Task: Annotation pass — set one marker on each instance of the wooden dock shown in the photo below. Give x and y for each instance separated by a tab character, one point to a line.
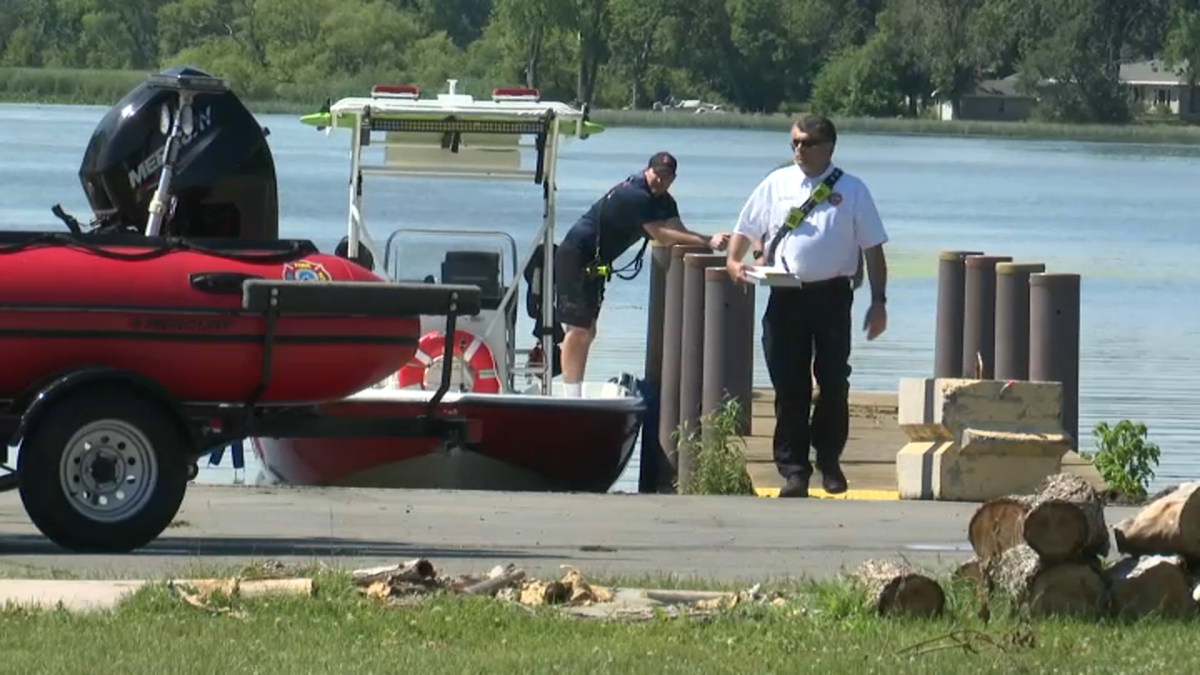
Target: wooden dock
869	459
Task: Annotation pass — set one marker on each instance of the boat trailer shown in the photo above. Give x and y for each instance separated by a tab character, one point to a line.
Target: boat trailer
106	455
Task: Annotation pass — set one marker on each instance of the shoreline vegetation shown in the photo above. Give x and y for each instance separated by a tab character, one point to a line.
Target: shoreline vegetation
105	87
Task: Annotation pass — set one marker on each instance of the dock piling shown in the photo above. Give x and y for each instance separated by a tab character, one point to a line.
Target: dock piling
724	375
1012	319
979	316
691	366
951	299
672	323
1054	340
655	469
741	341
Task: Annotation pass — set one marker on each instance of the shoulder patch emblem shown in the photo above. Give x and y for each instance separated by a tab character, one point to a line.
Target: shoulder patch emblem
305	270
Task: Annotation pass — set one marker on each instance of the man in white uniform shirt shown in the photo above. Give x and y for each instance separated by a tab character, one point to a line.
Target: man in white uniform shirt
809	326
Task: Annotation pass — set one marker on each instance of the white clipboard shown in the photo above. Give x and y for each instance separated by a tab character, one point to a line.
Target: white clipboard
764	275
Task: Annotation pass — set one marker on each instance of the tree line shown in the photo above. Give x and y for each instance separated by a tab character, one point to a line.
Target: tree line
846	57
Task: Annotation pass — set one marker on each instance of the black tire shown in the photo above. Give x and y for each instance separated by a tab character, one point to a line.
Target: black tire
131	431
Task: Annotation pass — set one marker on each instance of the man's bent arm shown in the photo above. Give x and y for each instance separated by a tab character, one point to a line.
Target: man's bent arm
738	244
672	232
752	221
876	272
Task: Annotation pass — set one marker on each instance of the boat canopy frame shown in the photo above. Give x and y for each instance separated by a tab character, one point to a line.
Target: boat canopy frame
443	124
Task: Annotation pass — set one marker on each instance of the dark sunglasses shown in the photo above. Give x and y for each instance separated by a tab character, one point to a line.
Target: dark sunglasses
806	143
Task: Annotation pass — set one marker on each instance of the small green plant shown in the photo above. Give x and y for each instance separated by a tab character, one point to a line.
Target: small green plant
1124	458
716	449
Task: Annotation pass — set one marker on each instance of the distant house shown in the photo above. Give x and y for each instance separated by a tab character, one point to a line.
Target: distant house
993	100
1155	87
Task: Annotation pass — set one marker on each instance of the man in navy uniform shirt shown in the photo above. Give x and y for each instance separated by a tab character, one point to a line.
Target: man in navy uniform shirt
640	208
807	324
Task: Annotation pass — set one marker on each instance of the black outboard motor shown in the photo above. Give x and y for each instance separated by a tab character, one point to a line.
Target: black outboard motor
223	178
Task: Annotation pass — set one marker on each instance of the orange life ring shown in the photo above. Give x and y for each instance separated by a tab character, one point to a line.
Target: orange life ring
467	346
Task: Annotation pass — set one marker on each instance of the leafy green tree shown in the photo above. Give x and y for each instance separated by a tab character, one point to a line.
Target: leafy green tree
861	81
860	57
463	21
1182	45
636	37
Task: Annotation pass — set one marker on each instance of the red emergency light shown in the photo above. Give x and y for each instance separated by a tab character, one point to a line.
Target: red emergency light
406	91
516	94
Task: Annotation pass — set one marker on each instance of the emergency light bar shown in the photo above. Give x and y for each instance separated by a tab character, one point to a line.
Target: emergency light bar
405	91
516	94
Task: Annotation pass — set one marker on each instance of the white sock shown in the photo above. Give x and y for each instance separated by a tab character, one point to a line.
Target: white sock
574	389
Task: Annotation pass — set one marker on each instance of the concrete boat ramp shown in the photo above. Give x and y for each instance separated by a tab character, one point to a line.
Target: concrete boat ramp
729	538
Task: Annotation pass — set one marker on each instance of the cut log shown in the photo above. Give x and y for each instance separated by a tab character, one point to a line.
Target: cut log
896	588
1064	589
1169	525
493	584
971	570
683	597
536	592
414	570
996	525
248	588
1066	521
1153	584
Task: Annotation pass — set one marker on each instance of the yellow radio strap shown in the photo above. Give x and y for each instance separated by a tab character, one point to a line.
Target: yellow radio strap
797	214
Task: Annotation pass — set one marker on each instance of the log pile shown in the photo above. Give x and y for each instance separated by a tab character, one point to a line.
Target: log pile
1043	550
1161	543
1046	552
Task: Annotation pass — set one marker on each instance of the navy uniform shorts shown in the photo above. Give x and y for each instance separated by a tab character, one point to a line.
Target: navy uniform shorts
577	296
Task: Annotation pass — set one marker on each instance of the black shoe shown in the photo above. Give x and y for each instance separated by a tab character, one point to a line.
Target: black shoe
833	480
797	486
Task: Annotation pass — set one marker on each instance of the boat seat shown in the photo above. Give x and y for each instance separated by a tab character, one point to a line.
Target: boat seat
365	258
358	298
478	268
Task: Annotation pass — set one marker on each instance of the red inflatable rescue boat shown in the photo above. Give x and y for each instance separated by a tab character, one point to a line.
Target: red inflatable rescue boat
176	321
172	312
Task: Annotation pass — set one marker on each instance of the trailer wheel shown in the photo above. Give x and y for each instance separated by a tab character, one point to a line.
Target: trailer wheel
103	470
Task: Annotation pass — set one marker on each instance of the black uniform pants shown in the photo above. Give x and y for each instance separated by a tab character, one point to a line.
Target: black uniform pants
801	323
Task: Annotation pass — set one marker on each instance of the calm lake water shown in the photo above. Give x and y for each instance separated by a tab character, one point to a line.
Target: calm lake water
1119	214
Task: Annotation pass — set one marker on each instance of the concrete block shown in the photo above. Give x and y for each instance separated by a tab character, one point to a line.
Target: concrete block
972	440
939	409
914	469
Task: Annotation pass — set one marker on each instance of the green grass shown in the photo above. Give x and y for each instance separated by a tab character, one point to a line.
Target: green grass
52	85
822	627
105	87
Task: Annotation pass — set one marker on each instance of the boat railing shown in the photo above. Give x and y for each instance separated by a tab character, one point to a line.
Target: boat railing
390	244
361	236
512	285
510	281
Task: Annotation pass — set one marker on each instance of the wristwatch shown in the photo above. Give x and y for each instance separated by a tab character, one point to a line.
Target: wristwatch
880	299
